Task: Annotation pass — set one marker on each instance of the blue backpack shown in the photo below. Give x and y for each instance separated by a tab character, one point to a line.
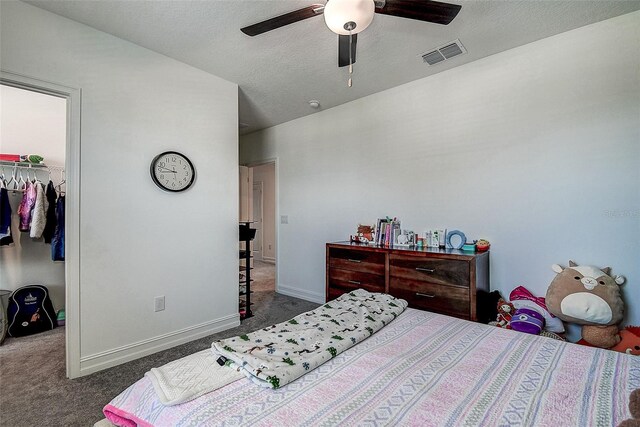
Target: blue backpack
30	311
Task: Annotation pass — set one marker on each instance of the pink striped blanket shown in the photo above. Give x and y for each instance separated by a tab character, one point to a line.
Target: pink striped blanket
422	369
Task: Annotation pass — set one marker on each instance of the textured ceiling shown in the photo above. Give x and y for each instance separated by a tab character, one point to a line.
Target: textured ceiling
278	72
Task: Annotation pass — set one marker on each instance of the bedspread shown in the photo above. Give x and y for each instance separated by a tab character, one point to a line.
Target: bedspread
422	369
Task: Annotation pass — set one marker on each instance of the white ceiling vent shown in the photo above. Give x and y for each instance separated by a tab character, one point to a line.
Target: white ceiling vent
443	53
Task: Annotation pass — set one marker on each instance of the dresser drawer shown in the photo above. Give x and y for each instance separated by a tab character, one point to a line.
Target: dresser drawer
350	280
334	293
355	260
439	271
451	300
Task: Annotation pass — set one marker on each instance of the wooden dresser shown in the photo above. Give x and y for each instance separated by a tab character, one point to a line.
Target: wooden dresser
440	280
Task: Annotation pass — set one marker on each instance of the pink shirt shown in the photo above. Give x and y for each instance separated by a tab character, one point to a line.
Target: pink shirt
26	206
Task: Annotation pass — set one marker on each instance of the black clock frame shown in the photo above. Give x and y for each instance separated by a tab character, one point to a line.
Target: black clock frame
159	184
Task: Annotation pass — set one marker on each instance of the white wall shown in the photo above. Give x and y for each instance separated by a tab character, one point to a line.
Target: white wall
32	123
266	174
137	241
536	149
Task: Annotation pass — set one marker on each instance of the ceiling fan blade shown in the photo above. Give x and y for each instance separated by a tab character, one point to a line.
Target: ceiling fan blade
343	50
421	10
282	20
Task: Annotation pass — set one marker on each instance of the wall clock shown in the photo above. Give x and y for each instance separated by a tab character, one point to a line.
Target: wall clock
172	171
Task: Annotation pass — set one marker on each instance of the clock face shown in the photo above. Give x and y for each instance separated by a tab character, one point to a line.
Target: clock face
172	171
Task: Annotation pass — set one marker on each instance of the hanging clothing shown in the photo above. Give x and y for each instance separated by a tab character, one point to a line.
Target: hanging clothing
5	218
26	206
57	242
5	211
39	213
50	226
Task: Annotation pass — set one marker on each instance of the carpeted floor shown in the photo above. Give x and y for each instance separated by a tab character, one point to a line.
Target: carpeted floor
264	276
35	392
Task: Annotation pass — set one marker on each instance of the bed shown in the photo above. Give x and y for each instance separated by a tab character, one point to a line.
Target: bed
422	369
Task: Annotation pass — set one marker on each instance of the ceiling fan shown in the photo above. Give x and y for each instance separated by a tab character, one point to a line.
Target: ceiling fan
349	17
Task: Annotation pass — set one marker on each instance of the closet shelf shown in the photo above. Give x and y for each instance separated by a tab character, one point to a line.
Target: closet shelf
28	165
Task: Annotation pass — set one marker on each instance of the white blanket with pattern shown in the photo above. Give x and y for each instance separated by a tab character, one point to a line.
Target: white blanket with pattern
276	355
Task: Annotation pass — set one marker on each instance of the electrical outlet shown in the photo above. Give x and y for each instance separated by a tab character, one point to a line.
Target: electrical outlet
159	303
284	219
269	247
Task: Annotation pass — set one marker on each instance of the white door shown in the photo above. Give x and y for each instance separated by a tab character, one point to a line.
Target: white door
257	218
245	180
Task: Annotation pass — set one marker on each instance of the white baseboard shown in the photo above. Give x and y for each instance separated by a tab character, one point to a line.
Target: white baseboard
106	359
269	260
302	294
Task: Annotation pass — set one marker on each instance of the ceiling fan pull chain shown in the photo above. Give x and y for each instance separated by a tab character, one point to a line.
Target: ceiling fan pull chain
349	82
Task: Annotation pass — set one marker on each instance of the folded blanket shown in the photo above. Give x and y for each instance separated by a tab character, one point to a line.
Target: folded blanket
192	376
276	355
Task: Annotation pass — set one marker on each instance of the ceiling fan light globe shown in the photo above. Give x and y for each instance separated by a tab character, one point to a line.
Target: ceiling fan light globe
337	13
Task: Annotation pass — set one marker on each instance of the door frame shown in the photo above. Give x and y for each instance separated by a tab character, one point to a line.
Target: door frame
261	229
276	191
73	97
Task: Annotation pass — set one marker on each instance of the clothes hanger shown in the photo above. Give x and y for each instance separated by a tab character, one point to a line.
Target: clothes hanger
22	184
36	179
12	179
3	179
61	183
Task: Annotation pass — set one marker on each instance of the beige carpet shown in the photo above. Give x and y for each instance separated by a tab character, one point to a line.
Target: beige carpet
264	276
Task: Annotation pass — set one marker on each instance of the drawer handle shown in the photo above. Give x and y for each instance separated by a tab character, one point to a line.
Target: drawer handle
355	282
426	270
420	294
354	260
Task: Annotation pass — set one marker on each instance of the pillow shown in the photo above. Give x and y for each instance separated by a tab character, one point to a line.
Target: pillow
521	298
527	320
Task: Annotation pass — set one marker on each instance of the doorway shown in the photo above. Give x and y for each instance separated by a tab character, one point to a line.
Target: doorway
264	208
32	161
260	181
24	263
258	219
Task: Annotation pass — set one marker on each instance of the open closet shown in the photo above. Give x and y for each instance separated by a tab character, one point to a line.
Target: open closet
33	139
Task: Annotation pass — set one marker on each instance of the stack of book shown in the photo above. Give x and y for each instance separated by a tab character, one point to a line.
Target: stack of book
387	231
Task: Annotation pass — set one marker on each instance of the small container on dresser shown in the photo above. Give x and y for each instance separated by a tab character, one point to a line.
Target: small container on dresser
444	281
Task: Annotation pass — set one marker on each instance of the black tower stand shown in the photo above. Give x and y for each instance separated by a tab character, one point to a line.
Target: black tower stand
246	235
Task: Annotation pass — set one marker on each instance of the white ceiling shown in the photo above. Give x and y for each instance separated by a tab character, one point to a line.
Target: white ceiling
278	72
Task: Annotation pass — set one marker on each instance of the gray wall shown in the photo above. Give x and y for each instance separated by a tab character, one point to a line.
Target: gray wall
536	149
137	241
